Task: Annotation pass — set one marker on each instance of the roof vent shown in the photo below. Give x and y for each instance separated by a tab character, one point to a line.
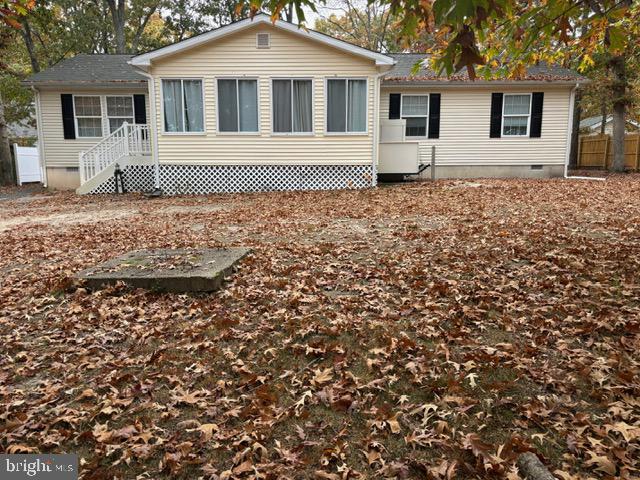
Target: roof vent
263	40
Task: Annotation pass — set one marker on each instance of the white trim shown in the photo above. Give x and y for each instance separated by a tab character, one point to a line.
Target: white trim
75	117
514	94
236	78
204	112
426	117
41	147
313	107
376	128
346	113
153	126
145	60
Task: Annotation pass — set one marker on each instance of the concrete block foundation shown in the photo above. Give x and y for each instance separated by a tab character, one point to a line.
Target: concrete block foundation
496	171
63	178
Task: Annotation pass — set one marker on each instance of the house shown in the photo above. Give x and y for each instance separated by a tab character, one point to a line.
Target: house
592	125
261	106
22	131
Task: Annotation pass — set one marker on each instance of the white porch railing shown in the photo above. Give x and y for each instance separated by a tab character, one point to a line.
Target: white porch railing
128	140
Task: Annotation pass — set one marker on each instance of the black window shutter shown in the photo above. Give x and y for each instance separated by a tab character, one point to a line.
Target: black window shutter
68	124
537	100
394	106
140	109
434	115
495	130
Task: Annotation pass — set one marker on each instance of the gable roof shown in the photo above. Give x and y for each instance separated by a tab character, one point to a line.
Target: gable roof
402	73
145	59
113	70
595	122
90	70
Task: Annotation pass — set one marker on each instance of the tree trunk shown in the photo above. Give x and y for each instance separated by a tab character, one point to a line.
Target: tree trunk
28	42
7	173
619	105
118	20
135	42
603	115
575	130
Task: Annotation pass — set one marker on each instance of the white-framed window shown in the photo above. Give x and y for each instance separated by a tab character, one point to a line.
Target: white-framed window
237	105
183	105
87	110
119	110
346	105
516	114
414	109
292	105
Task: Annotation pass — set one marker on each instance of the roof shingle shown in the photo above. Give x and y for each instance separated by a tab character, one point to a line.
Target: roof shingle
108	69
89	69
402	72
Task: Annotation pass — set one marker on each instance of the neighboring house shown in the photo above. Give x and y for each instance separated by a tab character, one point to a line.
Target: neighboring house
592	125
23	130
262	106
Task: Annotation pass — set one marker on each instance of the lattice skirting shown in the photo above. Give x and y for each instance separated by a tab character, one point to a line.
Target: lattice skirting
137	178
202	179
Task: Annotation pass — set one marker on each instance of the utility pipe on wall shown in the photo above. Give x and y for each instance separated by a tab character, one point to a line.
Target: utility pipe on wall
153	127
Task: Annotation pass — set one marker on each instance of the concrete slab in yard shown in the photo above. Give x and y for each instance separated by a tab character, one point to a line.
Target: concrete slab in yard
179	271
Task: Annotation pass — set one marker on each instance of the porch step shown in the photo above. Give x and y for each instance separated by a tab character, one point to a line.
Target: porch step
96	181
121	147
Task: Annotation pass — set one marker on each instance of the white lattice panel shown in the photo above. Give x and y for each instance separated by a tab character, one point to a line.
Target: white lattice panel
202	179
137	178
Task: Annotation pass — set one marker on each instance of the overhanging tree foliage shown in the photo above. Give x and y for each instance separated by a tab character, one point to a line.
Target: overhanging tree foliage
369	26
502	37
10	12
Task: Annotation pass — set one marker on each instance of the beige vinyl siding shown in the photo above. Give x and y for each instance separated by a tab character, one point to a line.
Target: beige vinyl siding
464	127
59	152
289	56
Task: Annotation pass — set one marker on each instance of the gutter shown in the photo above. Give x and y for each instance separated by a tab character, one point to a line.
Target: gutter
476	83
85	84
572	104
376	126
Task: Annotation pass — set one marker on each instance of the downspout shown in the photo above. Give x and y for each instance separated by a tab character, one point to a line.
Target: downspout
43	166
154	130
376	127
572	105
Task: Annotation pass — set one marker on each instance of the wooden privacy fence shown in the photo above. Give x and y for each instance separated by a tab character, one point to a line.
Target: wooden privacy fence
597	151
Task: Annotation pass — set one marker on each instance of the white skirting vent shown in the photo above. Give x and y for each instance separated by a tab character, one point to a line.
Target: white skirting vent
203	179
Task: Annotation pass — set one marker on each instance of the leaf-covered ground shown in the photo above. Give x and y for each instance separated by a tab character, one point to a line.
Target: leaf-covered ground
416	331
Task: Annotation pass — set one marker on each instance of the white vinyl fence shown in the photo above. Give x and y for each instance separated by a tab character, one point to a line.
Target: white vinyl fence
27	165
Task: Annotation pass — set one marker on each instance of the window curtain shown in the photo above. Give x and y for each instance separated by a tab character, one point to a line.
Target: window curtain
415	105
516	104
357	116
171	90
193	107
227	106
336	105
302	120
282	106
248	102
